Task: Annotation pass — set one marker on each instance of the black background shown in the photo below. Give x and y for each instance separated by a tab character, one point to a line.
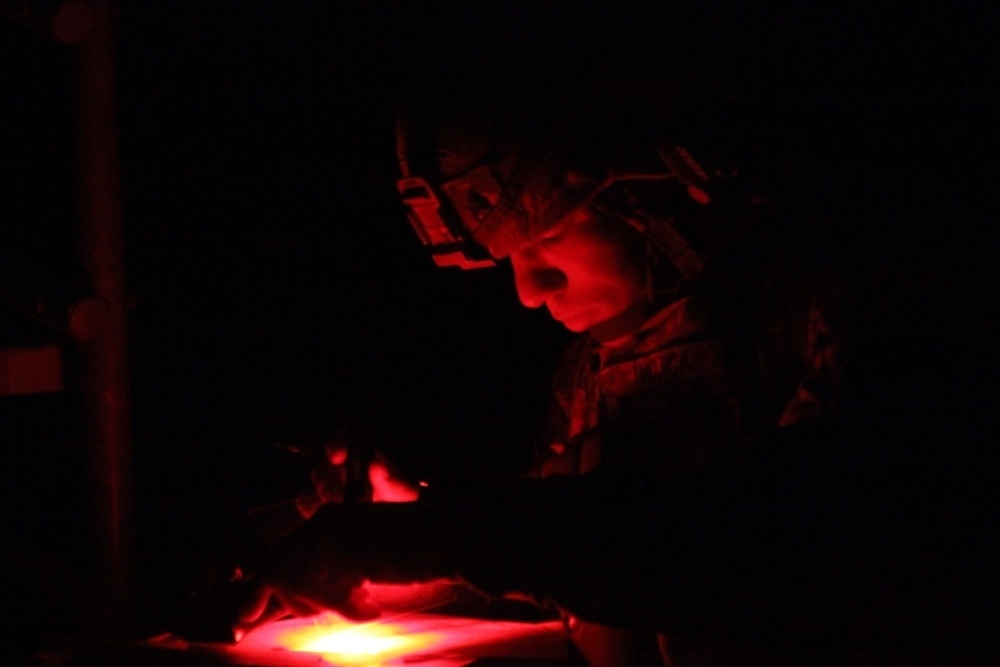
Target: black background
277	290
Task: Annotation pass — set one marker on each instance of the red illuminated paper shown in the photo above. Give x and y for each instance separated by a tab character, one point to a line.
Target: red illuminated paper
419	639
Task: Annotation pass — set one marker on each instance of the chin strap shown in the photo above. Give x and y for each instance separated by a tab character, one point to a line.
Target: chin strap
620	203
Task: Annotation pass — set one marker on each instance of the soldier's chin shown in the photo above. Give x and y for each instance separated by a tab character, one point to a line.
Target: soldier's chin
576	328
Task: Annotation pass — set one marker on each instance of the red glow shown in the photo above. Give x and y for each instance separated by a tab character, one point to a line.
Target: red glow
699	195
413	639
343	643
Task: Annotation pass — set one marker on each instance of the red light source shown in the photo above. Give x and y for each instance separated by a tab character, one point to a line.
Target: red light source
412	639
344	643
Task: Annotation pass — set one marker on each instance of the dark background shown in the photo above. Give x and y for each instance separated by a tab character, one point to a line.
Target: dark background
278	293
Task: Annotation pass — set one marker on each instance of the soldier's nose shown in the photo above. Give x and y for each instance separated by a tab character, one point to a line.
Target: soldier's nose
536	284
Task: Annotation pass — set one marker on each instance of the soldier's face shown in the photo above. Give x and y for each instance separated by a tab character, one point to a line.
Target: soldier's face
587	271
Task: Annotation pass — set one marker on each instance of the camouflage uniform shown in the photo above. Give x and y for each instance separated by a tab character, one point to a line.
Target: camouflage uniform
660	404
670	380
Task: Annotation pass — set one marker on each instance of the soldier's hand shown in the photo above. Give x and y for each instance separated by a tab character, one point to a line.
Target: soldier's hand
387	485
329	481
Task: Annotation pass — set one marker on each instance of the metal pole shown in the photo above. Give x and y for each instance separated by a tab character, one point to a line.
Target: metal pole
104	360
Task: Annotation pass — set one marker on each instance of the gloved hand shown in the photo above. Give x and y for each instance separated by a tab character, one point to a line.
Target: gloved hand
387	485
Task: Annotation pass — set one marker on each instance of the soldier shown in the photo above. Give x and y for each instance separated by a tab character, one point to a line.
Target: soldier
656	257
